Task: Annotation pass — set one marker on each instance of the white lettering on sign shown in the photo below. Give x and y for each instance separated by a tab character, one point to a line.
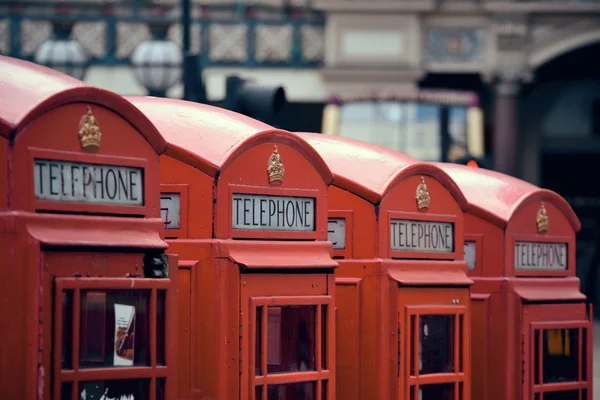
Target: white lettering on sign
170	209
66	181
336	232
470	254
409	235
536	255
274	213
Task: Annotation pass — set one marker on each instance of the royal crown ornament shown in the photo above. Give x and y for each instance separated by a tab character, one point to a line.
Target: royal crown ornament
275	168
90	135
423	199
542	220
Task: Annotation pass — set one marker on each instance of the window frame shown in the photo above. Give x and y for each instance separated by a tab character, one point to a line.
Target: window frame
580	385
75	375
320	374
461	342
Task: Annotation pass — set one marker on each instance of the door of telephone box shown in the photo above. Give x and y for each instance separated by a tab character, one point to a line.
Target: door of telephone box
287	329
557	352
108	332
434	343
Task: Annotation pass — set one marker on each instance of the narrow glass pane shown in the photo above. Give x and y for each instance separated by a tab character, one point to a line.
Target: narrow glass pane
536	357
324	338
536	396
67	329
160	326
258	341
65	390
292	391
160	389
114	328
436	335
258	393
93	328
584	352
412	393
411	333
561	362
460	343
443	391
291	339
122	389
324	390
568	395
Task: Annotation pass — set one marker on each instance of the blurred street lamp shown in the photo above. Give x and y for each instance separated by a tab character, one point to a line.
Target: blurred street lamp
63	53
158	61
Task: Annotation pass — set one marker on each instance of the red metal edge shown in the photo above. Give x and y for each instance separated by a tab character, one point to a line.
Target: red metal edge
425	272
293	254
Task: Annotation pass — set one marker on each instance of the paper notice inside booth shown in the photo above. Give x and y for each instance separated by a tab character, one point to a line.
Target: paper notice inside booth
124	335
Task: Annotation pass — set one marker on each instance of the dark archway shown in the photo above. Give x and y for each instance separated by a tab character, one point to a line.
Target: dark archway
562	103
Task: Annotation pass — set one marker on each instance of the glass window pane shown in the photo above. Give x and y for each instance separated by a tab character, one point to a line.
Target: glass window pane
258	341
67	329
65	390
324	390
412	345
436	335
114	328
584	354
258	392
536	357
160	327
444	391
160	389
324	338
569	395
292	391
291	339
122	389
560	355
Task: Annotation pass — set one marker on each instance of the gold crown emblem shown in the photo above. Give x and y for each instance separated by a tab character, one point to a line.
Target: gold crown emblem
541	220
90	135
275	168
423	199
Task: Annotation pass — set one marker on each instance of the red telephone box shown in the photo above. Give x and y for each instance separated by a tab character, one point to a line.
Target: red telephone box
88	305
530	323
402	294
245	208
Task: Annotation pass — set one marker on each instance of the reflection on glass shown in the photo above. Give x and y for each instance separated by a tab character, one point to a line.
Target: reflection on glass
444	391
160	327
324	338
291	339
67	329
114	328
560	355
122	389
536	358
292	391
412	346
258	341
570	395
160	389
436	342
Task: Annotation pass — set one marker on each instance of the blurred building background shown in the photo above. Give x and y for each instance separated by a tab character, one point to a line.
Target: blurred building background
533	64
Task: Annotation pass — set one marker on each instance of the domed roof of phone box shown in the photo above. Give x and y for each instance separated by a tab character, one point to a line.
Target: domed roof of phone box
209	138
498	197
28	90
370	171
